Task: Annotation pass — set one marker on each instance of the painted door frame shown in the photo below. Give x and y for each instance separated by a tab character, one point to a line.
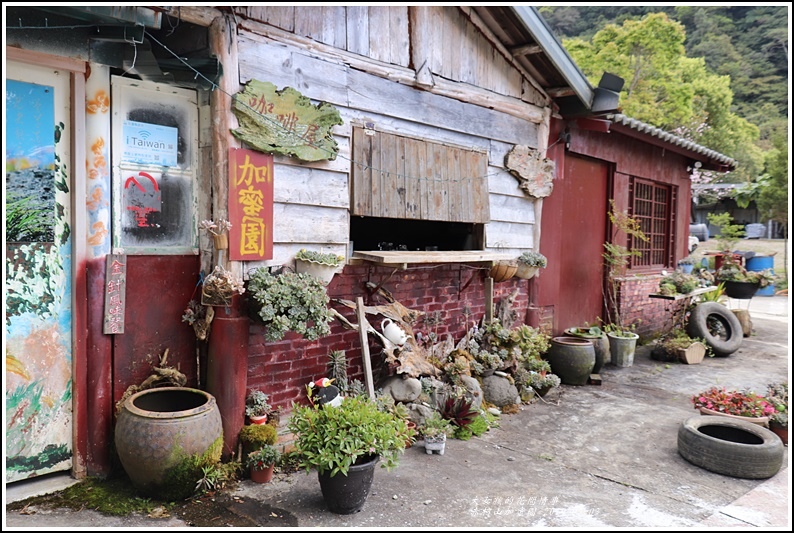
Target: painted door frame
77	71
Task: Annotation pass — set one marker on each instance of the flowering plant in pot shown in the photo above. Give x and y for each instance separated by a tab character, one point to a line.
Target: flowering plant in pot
261	462
290	302
745	404
777	396
344	443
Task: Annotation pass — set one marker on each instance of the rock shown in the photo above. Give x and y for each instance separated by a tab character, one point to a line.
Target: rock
499	391
418	412
473	391
402	389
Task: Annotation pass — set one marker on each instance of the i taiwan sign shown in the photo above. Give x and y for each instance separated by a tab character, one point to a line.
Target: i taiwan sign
149	144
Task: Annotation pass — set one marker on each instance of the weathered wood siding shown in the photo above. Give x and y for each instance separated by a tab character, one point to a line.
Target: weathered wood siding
313	201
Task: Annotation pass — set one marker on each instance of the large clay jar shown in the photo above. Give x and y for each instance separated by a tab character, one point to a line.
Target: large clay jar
158	428
600	343
572	359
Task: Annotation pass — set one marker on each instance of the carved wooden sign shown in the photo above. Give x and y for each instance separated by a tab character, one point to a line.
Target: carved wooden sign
285	122
535	174
115	293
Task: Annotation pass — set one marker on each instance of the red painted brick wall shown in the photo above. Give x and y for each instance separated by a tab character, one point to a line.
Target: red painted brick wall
455	291
651	316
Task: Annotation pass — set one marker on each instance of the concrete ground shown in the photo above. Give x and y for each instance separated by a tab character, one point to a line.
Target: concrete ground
593	457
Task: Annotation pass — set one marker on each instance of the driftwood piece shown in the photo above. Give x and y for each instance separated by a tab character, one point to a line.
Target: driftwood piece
504	310
410	358
362	331
163	376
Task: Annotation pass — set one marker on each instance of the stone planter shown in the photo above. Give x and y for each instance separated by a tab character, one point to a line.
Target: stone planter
435	444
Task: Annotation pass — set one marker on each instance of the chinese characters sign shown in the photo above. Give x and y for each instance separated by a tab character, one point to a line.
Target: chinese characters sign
285	122
149	144
250	205
115	293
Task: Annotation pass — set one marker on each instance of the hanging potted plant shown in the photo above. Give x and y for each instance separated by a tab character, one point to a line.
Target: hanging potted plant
529	263
256	407
344	444
261	463
289	302
220	287
321	265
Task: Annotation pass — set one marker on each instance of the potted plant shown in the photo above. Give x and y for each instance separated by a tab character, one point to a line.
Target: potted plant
777	396
686	265
622	339
678	283
435	429
745	405
677	345
319	264
256	406
220	287
529	263
741	283
254	436
600	341
290	302
343	444
261	463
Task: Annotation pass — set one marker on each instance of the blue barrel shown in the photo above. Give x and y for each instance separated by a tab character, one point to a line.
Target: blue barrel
757	263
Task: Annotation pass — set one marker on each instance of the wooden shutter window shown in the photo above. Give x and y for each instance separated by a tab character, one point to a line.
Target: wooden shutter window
408	178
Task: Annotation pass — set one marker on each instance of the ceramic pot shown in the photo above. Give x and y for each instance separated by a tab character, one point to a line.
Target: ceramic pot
348	494
159	428
760	420
525	271
324	273
258	420
572	359
600	343
622	349
264	475
780	430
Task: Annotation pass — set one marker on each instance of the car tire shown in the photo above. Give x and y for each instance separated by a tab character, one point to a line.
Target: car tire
726	337
730	447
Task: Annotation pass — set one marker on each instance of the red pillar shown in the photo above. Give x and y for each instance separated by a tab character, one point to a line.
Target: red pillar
227	367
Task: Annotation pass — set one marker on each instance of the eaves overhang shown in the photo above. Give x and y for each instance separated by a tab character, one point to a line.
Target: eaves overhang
710	159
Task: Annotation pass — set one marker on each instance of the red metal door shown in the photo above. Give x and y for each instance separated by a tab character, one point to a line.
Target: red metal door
583	232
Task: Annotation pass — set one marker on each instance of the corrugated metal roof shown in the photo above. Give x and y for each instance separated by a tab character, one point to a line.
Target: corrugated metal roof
647	129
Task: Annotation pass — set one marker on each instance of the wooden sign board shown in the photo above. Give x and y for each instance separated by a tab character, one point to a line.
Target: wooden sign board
115	293
285	122
250	205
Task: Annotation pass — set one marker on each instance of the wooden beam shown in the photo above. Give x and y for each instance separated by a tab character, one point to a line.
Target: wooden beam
526	49
488	299
363	326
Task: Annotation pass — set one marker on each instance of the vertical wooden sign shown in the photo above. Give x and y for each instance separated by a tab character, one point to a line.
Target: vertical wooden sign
115	293
250	205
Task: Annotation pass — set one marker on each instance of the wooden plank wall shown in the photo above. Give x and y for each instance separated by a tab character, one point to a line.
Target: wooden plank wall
319	194
391	172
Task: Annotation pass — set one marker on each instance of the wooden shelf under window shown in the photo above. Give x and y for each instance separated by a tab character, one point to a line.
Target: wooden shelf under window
398	257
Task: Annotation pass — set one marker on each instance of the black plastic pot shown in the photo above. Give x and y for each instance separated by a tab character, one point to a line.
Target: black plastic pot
741	290
348	494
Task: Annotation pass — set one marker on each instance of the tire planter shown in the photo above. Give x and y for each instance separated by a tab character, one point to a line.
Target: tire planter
730	447
572	359
622	349
348	494
717	325
159	428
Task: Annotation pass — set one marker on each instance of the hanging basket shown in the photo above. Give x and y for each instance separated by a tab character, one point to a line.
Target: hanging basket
525	271
503	270
221	242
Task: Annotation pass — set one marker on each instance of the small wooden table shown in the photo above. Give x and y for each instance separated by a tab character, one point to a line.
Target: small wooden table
679	317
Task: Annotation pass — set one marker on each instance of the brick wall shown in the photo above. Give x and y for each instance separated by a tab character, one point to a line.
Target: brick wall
455	293
651	316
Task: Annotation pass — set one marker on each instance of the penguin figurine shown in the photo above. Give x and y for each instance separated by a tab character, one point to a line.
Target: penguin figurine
325	392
